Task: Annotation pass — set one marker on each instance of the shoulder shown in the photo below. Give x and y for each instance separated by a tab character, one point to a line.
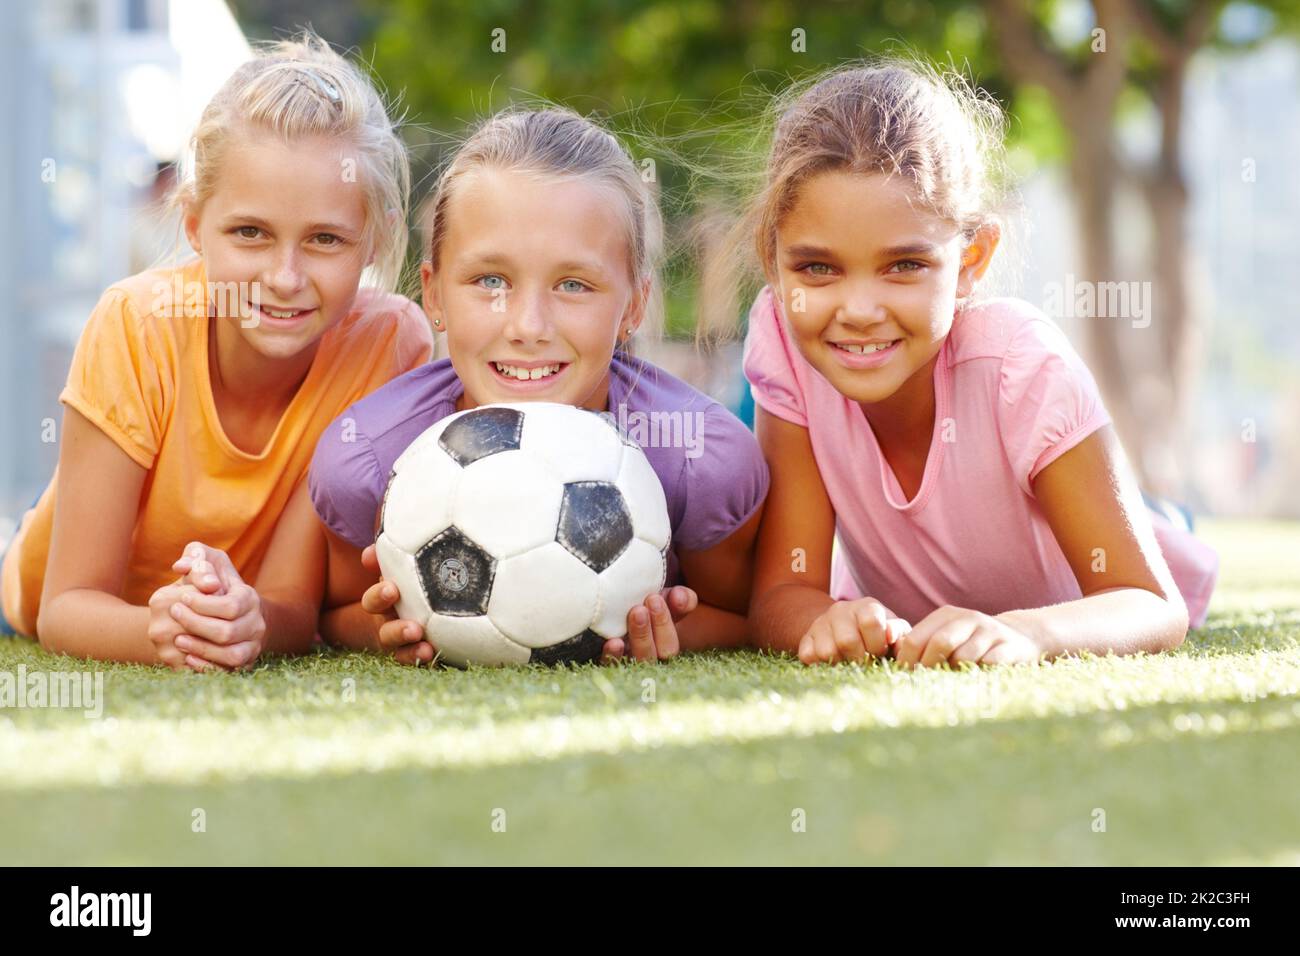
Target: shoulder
426	391
356	452
132	355
375	309
1020	341
779	376
389	322
1044	398
639	386
994	328
162	291
155	297
708	461
639	383
764	328
150	319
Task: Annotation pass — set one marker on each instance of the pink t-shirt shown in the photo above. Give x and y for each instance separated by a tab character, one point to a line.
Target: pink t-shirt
1011	397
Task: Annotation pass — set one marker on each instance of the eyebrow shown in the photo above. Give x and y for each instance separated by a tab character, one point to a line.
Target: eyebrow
920	248
808	252
586	266
314	227
910	249
328	227
589	266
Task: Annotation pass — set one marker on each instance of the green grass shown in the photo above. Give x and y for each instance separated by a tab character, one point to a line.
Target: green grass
340	758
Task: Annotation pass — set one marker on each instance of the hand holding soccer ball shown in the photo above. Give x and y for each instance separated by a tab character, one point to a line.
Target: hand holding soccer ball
405	640
651	626
527	534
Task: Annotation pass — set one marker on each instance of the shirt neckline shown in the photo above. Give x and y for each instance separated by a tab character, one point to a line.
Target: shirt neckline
890	486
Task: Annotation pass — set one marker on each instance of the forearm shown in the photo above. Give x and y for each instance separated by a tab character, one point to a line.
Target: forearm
712	627
92	624
290	624
350	626
780	616
1122	621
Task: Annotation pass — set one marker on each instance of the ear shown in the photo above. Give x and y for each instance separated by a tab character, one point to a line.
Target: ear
634	315
976	258
190	221
429	296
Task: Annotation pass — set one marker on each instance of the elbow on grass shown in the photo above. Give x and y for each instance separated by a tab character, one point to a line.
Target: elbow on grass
1179	629
43	634
1179	622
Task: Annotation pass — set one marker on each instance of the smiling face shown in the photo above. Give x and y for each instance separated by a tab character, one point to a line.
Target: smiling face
533	286
869	282
284	225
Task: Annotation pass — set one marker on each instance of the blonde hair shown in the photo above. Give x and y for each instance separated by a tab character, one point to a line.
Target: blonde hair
895	116
302	87
557	141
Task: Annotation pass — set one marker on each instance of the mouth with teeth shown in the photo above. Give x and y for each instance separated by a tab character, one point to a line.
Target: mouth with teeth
527	373
280	315
863	356
865	349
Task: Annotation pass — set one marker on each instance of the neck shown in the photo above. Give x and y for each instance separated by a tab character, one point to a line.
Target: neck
246	377
906	418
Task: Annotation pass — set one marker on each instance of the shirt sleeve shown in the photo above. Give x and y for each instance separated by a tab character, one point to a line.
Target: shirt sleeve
725	483
393	333
345	481
1048	400
122	377
770	361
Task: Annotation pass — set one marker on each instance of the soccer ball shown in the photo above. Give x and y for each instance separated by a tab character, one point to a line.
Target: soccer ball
522	533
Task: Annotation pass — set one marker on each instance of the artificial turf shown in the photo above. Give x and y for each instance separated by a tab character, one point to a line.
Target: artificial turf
1182	758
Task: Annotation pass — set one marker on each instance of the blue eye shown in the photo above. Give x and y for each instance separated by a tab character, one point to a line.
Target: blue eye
491	282
572	286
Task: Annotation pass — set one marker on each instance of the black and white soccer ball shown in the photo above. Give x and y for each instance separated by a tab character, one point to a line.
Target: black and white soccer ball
523	533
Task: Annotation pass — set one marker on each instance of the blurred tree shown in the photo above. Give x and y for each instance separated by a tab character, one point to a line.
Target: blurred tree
1141	47
341	22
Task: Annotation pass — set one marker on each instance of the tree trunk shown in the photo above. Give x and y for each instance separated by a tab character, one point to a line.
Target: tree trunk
1174	314
1086	103
1095	172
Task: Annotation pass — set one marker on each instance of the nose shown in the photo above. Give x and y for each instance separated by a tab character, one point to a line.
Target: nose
528	318
283	275
861	305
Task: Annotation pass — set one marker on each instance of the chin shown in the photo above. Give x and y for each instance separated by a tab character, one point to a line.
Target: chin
863	388
280	346
874	395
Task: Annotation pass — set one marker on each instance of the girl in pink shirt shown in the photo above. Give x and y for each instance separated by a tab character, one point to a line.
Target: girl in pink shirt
956	448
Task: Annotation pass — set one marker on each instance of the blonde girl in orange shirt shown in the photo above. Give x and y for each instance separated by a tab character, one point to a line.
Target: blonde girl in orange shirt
197	394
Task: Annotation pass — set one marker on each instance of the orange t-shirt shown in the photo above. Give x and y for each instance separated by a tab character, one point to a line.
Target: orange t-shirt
142	377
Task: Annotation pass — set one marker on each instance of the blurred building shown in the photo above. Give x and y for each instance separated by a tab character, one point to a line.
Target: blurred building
97	98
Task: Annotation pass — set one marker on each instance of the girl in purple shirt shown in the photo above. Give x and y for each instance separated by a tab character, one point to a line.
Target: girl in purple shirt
542	247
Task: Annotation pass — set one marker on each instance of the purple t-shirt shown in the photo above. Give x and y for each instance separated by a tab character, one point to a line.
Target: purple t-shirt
709	463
